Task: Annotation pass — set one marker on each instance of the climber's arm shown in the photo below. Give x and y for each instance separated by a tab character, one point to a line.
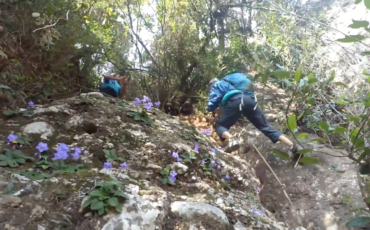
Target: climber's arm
215	98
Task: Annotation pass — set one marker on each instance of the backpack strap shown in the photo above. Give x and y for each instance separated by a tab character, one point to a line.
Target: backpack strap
242	101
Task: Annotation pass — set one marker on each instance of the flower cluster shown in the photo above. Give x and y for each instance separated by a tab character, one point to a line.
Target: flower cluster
63	150
206	131
176	156
146	102
108	165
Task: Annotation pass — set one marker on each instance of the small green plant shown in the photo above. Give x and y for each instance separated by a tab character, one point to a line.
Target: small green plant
168	176
186	136
106	195
121	103
35	175
23	140
13	158
141	117
111	155
43	162
10	113
188	156
9	190
60	166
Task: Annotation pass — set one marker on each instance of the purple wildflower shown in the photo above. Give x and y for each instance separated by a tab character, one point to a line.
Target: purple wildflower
172	176
213	150
60	155
203	162
42	147
107	165
31	104
157	104
137	101
12	137
124	166
76	154
148	106
213	163
227	177
176	156
257	211
146	99
63	148
258	189
218	167
196	148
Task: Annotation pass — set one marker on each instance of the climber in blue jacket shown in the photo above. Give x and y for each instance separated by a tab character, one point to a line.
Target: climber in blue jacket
234	94
114	86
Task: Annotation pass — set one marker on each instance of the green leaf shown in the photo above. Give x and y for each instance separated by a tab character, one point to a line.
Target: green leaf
96	204
359	143
282	155
331	78
86	203
358	24
358	1
101	211
364	170
364	154
165	180
303	151
292	123
340	130
4	87
340	84
311	101
351	38
118	208
360	222
324	126
354	135
297	75
309	160
367	4
113	201
311	78
95	193
9	113
365	53
318	140
280	74
302	136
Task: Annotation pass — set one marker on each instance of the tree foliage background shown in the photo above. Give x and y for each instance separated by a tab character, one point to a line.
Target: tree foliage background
52	49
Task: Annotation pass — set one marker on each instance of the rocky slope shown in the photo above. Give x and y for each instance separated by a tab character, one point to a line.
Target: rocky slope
48	193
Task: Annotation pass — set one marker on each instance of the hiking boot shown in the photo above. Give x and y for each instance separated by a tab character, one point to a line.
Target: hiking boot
294	149
233	145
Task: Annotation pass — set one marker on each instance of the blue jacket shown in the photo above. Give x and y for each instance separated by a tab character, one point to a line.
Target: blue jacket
220	93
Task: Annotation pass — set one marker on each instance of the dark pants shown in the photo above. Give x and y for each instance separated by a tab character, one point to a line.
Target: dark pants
231	113
108	91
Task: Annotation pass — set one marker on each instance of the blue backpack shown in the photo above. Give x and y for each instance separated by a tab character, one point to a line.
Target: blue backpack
240	82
